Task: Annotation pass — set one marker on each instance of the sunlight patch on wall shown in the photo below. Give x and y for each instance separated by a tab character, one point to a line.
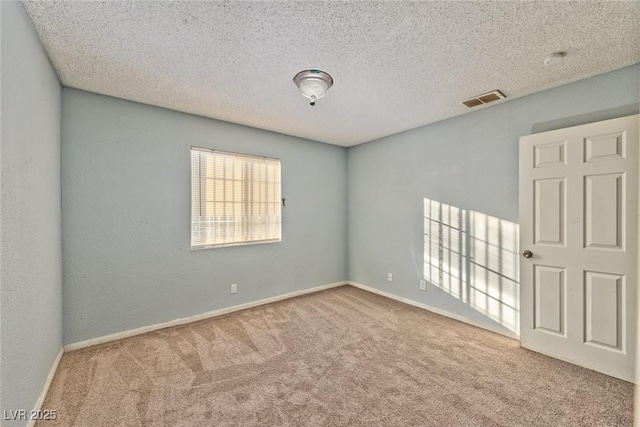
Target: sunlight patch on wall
493	277
445	248
474	258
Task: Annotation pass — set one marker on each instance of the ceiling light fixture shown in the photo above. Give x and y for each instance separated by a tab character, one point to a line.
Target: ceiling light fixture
313	84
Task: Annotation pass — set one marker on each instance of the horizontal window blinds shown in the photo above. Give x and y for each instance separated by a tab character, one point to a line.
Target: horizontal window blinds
235	199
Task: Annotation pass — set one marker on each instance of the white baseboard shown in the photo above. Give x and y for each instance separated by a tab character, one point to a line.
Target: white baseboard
195	318
47	384
436	310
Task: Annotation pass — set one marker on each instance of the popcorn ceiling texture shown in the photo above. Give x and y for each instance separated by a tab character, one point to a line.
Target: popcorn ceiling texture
396	65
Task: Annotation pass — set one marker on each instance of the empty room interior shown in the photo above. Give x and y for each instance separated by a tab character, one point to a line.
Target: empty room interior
296	213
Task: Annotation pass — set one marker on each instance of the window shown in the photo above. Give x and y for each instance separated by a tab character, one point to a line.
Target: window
235	199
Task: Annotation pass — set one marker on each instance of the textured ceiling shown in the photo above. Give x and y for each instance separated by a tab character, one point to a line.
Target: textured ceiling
396	65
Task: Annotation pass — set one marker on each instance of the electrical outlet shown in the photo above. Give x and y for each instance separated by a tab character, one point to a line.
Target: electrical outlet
389	277
234	288
423	285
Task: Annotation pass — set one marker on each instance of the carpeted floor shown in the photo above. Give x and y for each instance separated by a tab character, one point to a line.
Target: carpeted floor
341	357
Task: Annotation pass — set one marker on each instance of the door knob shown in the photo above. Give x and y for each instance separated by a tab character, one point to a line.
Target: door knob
527	254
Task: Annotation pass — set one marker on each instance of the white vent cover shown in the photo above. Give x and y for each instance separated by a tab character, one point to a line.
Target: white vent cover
485	98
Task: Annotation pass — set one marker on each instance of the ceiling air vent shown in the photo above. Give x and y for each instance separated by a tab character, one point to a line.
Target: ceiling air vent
485	98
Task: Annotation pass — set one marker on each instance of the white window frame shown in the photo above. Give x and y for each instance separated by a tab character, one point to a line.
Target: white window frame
244	189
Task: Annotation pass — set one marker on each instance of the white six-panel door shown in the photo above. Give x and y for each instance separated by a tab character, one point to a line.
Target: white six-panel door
579	240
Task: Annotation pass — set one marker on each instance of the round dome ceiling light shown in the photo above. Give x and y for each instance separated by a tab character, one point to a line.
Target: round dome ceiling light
313	84
554	59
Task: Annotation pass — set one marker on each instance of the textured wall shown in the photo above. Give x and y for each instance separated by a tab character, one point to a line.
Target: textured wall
470	163
126	217
30	278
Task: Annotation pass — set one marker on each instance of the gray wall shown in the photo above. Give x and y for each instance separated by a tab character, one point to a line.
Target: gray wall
469	162
30	253
126	217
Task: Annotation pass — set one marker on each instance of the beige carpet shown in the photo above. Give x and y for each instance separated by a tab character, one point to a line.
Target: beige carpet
342	357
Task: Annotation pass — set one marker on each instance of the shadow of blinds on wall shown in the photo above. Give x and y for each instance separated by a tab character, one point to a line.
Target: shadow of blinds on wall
235	199
474	258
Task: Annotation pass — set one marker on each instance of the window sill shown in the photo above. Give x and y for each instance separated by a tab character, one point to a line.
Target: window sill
226	245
